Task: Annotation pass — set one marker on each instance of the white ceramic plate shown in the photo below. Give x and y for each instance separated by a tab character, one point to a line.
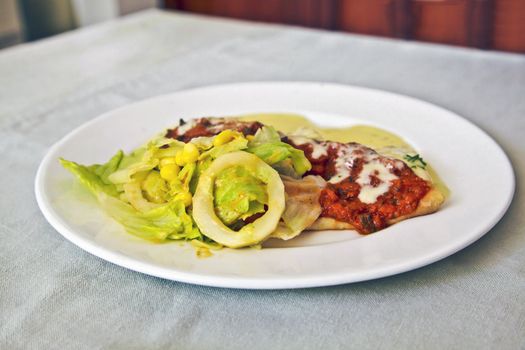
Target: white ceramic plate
470	162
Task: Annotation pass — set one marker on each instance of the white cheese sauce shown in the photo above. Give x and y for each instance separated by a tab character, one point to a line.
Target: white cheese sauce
182	129
344	162
372	166
369	193
319	149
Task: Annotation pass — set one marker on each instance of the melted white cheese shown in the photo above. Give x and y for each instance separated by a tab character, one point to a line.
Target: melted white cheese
372	166
343	164
319	149
369	193
182	129
344	161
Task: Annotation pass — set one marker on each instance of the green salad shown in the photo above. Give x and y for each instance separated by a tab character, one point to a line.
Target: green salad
223	190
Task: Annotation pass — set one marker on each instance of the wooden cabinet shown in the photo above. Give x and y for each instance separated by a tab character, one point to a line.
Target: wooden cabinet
441	21
309	13
508	25
487	24
376	17
456	22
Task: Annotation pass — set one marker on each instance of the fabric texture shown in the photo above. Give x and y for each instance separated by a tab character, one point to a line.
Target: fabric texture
53	295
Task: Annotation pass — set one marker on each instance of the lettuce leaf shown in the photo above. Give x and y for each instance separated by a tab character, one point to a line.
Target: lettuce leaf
155	188
268	146
205	208
238	195
237	144
144	159
160	222
168	221
95	177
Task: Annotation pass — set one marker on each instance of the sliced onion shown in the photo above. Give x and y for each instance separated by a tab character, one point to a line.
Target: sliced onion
253	233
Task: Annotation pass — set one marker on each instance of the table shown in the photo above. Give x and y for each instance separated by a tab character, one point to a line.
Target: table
53	295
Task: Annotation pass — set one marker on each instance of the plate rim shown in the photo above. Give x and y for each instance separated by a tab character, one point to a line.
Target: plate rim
257	282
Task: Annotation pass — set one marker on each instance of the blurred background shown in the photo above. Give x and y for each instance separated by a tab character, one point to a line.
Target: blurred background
483	24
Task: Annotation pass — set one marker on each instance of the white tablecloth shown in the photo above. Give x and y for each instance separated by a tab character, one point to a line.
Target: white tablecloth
53	295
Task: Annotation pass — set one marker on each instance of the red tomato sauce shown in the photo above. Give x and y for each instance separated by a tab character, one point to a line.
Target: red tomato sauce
340	200
211	127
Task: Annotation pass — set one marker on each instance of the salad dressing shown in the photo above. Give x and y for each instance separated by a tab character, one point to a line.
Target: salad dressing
385	142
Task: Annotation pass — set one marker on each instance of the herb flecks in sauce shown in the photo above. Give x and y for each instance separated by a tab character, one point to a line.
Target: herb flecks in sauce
416	161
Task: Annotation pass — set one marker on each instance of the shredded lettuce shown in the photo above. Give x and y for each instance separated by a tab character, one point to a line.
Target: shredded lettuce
268	146
237	144
95	177
149	203
203	142
155	188
157	222
132	165
168	221
238	195
207	157
204	207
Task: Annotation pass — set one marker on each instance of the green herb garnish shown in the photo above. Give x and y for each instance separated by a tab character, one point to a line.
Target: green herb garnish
416	160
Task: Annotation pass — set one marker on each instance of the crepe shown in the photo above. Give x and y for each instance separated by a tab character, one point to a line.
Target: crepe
430	203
